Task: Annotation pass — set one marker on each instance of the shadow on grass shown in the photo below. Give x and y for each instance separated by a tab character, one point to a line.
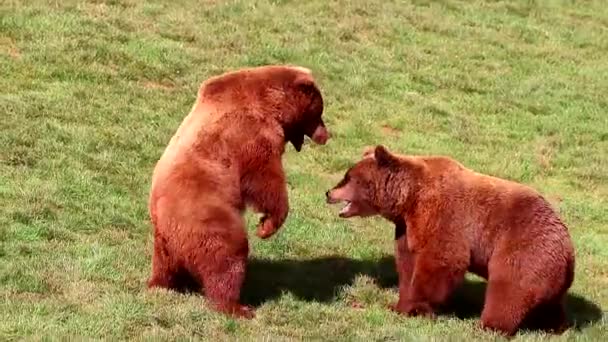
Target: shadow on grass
317	280
321	279
468	301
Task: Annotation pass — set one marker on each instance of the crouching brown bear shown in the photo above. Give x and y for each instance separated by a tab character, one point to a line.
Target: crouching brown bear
450	220
225	156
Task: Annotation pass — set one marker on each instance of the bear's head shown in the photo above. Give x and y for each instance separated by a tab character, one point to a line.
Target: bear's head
305	117
380	183
287	94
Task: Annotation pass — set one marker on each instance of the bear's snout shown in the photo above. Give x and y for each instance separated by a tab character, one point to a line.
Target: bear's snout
320	135
329	198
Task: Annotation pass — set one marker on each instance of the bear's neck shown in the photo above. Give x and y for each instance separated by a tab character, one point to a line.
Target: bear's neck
397	198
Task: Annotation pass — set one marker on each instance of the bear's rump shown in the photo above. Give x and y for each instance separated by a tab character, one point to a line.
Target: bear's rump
189	226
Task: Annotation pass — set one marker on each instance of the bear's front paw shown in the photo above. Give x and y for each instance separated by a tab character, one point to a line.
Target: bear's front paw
244	311
265	229
413	309
236	310
394	307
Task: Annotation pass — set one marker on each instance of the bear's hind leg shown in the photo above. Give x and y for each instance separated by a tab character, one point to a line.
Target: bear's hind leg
506	306
549	317
220	262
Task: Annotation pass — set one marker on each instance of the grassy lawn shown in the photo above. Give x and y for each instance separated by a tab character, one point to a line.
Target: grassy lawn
92	92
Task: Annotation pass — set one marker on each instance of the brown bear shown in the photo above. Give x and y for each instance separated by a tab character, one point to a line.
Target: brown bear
225	156
450	220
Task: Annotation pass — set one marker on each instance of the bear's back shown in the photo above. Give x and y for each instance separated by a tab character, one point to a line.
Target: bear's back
505	214
491	206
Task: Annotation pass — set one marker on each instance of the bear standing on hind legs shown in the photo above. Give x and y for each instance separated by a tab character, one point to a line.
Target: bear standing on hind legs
226	155
450	220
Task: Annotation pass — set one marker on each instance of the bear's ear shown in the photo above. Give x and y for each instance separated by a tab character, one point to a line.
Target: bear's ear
304	81
384	158
368	152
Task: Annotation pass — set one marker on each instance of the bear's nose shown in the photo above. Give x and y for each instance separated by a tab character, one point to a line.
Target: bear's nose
328	197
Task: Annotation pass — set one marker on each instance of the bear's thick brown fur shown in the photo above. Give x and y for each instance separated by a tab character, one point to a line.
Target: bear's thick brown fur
450	220
226	155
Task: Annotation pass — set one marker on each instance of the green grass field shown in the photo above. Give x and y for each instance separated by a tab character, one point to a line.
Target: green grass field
92	92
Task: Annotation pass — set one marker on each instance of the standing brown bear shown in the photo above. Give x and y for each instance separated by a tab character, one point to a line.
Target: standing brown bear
226	155
450	220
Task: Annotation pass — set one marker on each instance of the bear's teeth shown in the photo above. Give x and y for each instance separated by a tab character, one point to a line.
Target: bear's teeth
346	208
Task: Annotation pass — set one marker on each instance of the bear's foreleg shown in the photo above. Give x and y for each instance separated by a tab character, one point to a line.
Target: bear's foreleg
164	265
267	191
433	281
404	262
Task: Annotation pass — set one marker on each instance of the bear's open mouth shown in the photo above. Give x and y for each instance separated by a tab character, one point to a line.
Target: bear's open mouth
346	208
349	207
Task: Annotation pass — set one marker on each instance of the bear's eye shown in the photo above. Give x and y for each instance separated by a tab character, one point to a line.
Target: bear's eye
344	181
